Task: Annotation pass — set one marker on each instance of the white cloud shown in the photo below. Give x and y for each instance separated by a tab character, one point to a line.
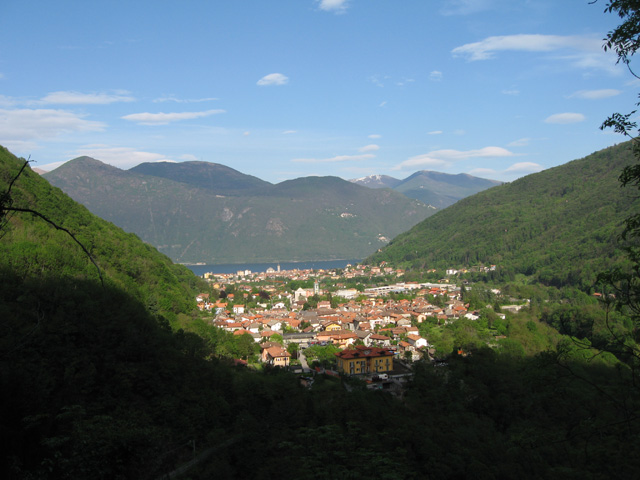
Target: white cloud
121	157
488	47
165	118
373	136
404	81
595	94
337	6
483	172
246	134
436	76
511	92
289	132
273	79
338	158
369	148
39	124
564	118
378	80
171	98
187	157
7	101
445	158
522	142
382	104
524	167
435	132
77	98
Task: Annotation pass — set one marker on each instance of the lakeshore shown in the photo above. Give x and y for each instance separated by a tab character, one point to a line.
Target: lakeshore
263	267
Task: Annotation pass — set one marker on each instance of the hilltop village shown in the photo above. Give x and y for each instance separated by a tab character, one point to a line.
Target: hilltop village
375	330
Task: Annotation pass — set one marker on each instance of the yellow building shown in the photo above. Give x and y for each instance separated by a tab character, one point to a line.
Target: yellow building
362	360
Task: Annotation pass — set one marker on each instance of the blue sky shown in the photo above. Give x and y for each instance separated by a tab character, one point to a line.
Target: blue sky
288	88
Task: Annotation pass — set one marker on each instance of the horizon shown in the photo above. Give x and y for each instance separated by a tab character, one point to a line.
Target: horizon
281	90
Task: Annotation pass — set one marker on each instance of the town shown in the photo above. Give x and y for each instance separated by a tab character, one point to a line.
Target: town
372	332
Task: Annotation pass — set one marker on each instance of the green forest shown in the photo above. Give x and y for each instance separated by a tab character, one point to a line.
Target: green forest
558	227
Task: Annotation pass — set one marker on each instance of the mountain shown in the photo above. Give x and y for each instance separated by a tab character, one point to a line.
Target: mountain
432	188
211	176
559	226
377	181
191	219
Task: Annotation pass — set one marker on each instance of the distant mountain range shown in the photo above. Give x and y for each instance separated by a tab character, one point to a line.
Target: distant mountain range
206	212
432	188
560	226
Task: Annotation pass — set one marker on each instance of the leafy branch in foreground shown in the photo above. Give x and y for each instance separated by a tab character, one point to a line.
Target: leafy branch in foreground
6	207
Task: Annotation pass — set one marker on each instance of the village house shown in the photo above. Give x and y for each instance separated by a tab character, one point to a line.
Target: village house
363	360
273	354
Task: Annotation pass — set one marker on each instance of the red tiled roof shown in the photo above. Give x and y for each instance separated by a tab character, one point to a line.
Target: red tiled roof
362	351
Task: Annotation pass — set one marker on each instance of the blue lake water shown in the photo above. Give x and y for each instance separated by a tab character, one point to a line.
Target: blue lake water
262	267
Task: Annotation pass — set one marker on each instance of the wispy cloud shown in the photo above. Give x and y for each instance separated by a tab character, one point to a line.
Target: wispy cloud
8	101
378	80
435	132
514	171
435	76
512	92
564	118
369	148
338	158
524	167
165	118
445	158
41	124
595	94
121	157
273	79
522	142
289	132
590	48
171	98
337	6
78	98
373	136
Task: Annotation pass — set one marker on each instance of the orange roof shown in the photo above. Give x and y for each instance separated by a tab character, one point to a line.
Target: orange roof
362	351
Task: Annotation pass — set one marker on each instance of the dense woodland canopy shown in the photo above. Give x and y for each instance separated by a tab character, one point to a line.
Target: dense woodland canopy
560	226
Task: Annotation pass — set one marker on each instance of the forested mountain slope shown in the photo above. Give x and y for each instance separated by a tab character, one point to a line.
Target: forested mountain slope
560	225
192	219
34	247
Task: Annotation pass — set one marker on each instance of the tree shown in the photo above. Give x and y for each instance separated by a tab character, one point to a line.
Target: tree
624	283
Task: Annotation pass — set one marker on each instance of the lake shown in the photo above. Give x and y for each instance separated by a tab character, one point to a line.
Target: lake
262	267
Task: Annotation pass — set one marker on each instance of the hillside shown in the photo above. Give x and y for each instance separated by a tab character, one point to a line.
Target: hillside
432	188
559	225
37	248
314	218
